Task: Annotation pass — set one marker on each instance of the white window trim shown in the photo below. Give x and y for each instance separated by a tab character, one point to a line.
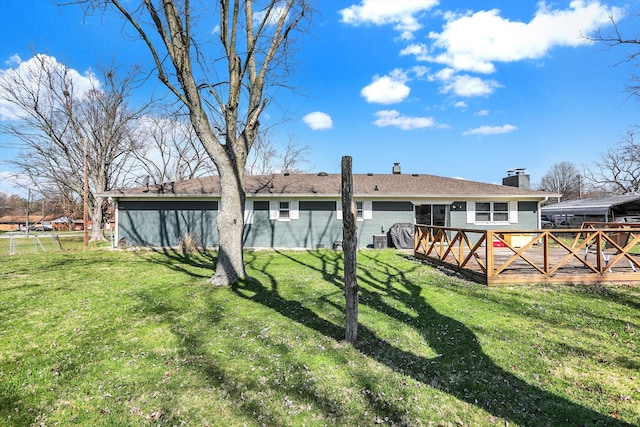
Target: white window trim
274	210
512	213
248	212
367	210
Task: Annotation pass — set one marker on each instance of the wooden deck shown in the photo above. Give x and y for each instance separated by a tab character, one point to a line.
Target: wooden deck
596	253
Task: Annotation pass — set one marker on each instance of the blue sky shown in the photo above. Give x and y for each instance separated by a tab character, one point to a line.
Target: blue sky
461	89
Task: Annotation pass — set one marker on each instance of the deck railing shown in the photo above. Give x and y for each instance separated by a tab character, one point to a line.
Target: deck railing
595	253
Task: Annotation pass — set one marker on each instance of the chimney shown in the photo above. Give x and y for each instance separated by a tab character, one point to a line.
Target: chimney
396	169
517	178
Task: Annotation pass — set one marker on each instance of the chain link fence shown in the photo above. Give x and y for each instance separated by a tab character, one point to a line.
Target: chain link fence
17	243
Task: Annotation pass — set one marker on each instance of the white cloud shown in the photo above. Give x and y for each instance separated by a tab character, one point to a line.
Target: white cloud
318	120
482	113
394	118
13	60
29	73
460	104
467	86
389	89
274	17
474	42
490	130
419	50
400	13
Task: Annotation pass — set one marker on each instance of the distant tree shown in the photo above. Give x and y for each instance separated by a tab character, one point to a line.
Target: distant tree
223	84
56	119
618	169
15	204
265	158
171	151
564	179
293	157
4	203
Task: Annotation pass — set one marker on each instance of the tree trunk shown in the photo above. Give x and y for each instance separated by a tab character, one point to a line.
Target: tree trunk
230	223
95	213
349	245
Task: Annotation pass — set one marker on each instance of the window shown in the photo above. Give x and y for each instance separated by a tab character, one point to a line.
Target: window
483	212
283	210
501	212
492	212
364	210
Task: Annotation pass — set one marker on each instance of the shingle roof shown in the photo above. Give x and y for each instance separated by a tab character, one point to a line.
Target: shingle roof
374	185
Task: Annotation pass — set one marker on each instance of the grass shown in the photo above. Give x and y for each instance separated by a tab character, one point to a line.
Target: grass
128	338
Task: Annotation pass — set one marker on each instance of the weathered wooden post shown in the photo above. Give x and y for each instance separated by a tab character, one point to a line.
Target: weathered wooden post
349	246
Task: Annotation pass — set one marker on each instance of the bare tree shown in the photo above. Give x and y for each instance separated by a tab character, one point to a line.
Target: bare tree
265	158
293	157
172	151
615	37
618	170
58	121
225	91
564	179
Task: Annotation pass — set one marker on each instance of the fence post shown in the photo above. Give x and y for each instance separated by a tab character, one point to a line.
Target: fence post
349	246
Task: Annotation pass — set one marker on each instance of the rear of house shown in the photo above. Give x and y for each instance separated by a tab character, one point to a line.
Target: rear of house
305	210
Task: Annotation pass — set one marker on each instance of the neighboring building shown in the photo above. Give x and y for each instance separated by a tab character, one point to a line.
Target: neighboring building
18	222
305	210
573	213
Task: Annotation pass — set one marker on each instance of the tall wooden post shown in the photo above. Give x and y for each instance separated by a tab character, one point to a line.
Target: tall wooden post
349	246
85	196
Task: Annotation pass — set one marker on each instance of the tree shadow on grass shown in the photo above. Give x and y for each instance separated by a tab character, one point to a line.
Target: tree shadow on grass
461	369
176	260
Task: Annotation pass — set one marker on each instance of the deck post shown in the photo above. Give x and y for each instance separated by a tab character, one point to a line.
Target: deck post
488	235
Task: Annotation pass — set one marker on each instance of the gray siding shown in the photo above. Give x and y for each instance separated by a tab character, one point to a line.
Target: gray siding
166	223
527	219
318	224
527	215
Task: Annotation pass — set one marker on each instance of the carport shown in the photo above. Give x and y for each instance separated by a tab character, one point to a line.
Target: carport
605	209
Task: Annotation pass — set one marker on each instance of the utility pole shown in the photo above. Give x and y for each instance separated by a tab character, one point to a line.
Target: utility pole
26	228
85	209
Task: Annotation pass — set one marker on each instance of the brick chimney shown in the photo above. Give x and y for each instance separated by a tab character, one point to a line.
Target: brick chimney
396	169
517	178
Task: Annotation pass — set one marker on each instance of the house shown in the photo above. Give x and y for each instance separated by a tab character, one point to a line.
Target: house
305	210
573	213
18	222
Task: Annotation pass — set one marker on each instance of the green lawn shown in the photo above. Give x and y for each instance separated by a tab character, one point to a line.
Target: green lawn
127	338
